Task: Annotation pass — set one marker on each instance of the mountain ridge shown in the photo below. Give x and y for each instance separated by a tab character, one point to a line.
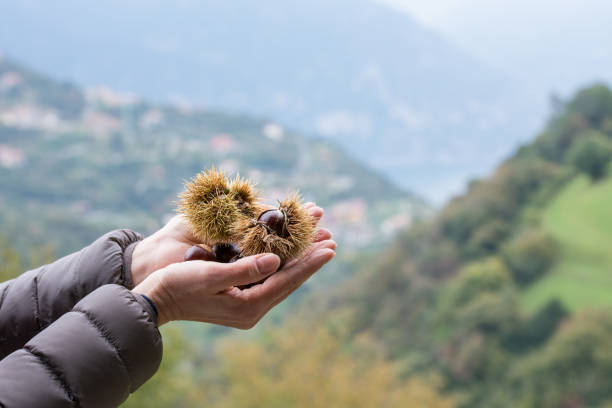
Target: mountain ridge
365	76
115	161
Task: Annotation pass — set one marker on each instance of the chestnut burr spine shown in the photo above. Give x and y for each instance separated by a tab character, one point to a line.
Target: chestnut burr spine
212	204
223	211
263	234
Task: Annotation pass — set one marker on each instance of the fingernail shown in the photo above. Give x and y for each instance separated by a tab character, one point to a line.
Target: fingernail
324	253
268	263
314	211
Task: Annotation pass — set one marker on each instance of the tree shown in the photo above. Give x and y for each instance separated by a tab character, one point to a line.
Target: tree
496	202
573	369
10	261
591	154
593	103
296	365
487	238
529	255
487	276
312	367
13	263
536	330
476	309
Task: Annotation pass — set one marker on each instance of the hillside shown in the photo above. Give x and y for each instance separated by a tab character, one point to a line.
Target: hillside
506	293
75	164
579	220
398	96
501	300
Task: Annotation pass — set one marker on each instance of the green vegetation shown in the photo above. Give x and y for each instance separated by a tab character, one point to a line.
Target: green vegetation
572	370
529	255
493	293
501	300
13	262
311	367
579	220
10	261
73	166
591	154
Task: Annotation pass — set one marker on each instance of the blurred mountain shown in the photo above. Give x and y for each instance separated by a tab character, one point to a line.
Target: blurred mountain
506	292
74	165
529	40
396	95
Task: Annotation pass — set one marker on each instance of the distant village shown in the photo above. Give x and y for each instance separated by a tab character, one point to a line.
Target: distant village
356	221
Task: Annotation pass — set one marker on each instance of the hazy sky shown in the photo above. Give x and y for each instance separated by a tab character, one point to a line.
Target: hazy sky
558	44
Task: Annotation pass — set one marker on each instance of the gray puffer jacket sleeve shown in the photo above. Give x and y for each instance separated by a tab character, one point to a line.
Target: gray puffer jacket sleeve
38	297
73	335
92	356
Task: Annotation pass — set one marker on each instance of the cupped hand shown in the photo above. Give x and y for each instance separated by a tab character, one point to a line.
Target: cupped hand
168	245
206	291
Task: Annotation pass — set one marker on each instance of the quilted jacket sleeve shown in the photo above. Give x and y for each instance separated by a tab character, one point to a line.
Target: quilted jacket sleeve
93	356
38	297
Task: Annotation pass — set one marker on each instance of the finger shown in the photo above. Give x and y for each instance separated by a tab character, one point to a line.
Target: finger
328	243
308	205
316	213
326	255
293	275
180	225
242	272
223	321
321	234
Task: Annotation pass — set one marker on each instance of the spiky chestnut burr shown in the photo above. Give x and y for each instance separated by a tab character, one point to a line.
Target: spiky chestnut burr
285	231
213	204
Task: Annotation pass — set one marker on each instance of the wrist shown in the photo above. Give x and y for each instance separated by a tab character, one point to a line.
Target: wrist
154	289
151	303
142	260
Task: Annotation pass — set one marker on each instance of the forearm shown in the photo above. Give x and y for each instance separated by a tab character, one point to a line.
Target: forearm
38	297
93	356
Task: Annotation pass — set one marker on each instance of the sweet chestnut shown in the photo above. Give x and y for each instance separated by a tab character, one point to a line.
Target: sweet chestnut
226	252
197	253
275	220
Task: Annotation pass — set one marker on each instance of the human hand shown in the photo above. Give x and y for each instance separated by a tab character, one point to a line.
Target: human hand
169	244
207	291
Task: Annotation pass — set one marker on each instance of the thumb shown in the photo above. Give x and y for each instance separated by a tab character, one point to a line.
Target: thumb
242	272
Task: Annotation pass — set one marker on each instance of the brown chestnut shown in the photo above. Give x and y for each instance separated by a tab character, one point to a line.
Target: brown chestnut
226	252
197	253
275	221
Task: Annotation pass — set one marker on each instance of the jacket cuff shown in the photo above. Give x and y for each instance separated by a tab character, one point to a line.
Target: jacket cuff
149	306
126	272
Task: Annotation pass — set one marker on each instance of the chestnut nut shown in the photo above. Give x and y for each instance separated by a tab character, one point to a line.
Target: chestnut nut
226	252
276	221
198	253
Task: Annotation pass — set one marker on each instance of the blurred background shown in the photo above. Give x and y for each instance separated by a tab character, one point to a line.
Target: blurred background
460	148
